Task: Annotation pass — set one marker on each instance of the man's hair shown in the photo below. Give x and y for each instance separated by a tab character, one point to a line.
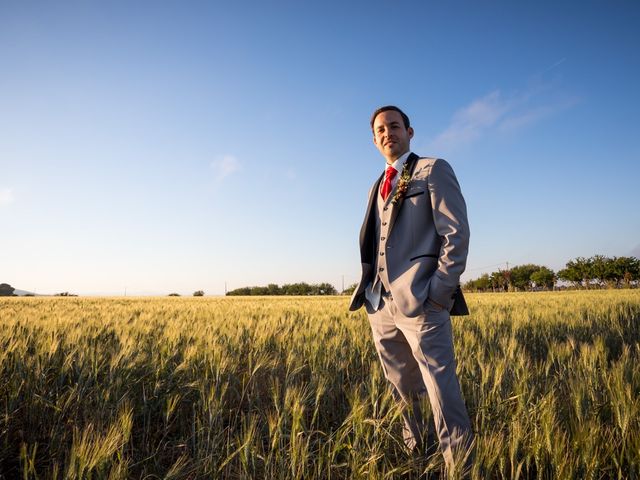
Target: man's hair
387	108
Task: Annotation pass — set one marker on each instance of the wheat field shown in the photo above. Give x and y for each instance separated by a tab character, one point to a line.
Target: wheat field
291	388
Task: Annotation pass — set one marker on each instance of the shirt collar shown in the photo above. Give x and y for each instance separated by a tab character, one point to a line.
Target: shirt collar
399	163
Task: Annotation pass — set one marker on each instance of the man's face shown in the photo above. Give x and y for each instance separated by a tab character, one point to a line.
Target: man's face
390	135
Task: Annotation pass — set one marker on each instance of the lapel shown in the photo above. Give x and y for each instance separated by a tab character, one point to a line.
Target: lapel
395	207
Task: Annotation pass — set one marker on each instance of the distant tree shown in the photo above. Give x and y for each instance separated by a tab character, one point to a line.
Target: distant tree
65	294
600	270
544	278
239	291
259	290
622	271
198	293
500	280
577	271
6	290
521	276
481	284
296	289
350	289
287	289
174	294
630	269
325	289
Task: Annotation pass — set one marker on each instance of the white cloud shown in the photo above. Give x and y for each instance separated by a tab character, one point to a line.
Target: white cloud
531	115
225	166
470	122
497	112
520	120
6	196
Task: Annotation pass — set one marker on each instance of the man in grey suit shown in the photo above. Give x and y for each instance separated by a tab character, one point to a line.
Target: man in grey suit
413	249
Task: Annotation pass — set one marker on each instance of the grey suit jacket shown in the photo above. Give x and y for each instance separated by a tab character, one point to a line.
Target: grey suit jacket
427	241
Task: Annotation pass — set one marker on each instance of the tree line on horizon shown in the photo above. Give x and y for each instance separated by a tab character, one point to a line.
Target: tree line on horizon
7	290
597	271
287	289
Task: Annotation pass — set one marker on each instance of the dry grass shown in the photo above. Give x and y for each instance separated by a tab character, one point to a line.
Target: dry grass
290	388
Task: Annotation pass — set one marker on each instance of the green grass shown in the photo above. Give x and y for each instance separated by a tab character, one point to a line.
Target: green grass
291	388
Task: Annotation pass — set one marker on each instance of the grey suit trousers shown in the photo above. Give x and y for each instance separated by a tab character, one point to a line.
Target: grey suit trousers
417	357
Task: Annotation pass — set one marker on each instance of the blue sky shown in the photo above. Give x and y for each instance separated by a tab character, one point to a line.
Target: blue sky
175	146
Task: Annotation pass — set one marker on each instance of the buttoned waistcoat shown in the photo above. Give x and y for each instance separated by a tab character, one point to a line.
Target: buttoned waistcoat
418	242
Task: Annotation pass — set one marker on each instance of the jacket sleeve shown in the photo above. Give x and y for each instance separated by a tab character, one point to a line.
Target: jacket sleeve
450	219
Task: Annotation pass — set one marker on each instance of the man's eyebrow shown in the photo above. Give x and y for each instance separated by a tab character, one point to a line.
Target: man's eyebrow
391	124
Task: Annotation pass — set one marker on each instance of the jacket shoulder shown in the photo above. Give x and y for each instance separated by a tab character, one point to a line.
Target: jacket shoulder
436	166
423	166
431	161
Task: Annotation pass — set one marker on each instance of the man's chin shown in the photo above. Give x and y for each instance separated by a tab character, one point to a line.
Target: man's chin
393	152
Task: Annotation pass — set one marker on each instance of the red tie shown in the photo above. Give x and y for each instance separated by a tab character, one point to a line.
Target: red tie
389	174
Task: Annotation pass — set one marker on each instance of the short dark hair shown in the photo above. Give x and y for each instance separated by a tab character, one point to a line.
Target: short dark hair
393	108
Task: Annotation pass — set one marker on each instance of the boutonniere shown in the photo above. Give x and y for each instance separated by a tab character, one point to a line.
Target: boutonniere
403	184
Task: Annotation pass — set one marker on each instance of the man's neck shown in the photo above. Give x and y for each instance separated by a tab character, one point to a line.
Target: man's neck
390	160
404	156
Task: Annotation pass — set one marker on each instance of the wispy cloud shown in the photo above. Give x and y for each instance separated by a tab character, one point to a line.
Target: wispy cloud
555	64
534	114
225	166
6	196
470	122
497	112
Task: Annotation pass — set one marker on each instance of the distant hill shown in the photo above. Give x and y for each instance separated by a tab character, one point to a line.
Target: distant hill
22	293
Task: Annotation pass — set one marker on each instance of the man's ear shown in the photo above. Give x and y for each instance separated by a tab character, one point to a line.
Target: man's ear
374	140
410	132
